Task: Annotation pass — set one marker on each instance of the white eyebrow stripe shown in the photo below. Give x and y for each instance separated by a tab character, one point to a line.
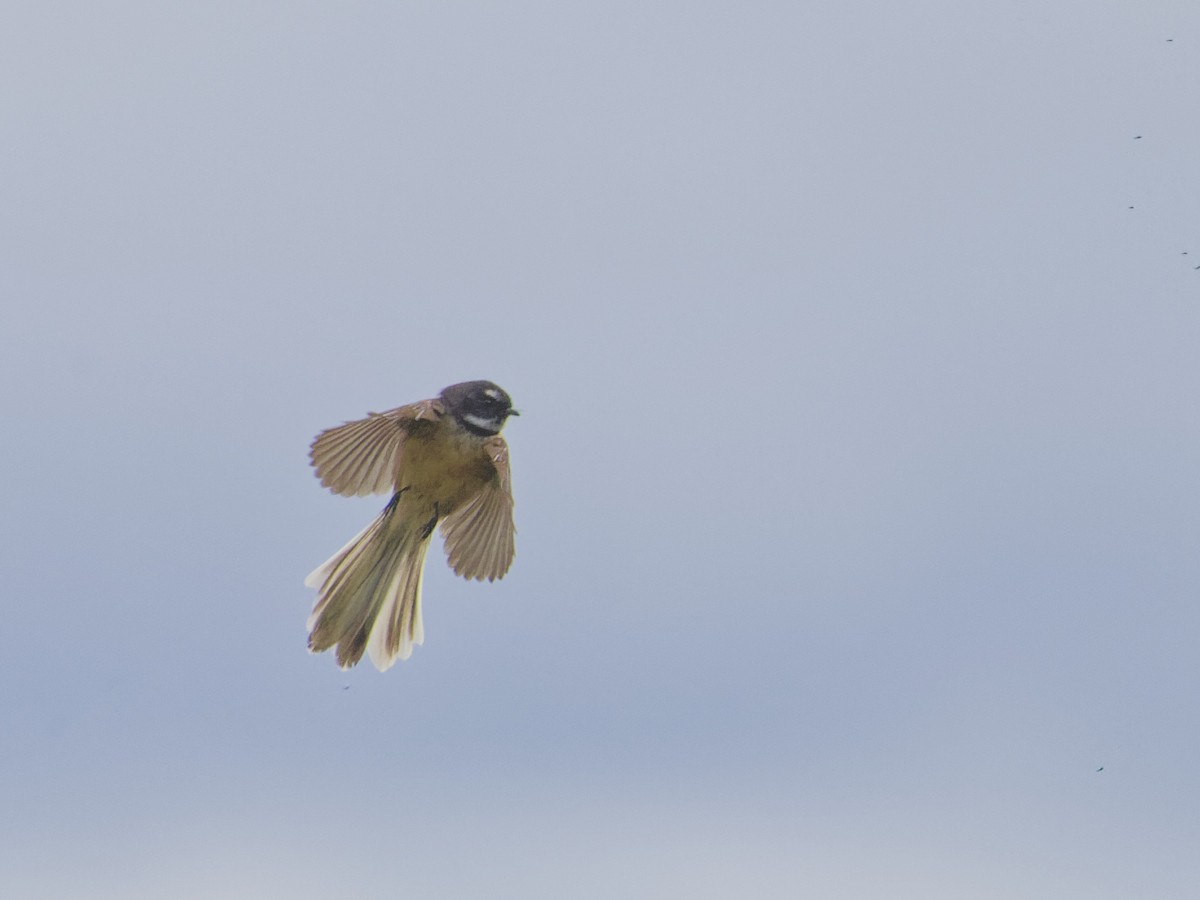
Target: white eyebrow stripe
493	393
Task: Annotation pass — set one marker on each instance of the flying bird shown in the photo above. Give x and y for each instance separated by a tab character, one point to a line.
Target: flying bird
444	462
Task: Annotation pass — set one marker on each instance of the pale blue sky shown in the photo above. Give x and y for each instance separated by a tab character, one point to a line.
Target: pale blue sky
857	484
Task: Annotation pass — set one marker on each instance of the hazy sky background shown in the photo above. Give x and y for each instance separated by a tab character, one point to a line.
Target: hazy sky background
857	477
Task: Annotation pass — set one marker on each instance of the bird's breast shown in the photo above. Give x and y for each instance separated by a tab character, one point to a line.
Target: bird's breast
445	465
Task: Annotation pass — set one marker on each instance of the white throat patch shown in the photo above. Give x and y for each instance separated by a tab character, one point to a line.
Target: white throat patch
482	423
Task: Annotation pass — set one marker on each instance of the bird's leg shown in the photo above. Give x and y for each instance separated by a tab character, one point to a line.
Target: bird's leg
427	528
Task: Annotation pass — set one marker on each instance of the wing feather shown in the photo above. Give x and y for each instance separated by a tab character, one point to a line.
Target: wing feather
480	535
361	457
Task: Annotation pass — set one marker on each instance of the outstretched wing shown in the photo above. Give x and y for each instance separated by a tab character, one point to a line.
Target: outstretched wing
361	457
480	535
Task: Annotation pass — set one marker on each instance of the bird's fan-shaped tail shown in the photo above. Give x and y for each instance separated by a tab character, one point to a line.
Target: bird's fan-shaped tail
369	593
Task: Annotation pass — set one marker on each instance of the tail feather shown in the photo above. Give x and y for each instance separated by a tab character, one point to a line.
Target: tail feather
369	593
398	626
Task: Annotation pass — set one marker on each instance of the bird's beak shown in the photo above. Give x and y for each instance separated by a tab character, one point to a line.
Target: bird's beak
514	412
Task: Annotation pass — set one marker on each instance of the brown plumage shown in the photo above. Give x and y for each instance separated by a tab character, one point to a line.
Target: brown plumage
445	463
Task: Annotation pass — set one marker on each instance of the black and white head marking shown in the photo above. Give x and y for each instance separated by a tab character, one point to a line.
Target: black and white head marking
480	407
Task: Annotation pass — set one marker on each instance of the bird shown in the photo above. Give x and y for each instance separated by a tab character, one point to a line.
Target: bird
444	462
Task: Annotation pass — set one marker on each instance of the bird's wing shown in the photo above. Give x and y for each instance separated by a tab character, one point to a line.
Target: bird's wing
361	457
480	534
